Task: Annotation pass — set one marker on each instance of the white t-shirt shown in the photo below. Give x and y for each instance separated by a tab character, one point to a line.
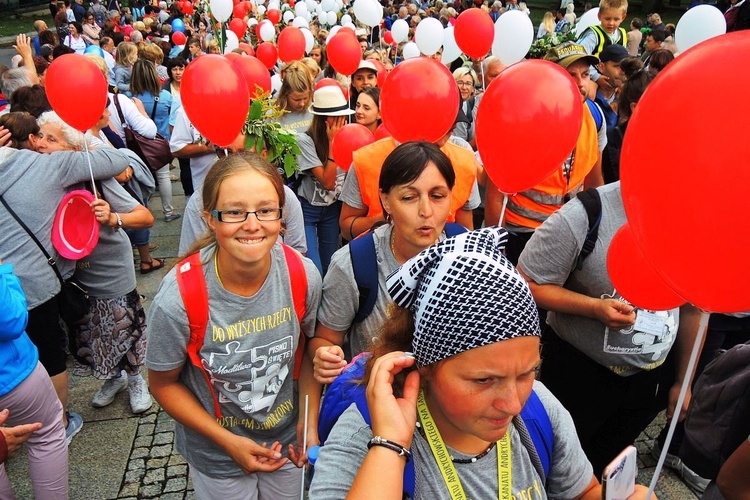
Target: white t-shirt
183	134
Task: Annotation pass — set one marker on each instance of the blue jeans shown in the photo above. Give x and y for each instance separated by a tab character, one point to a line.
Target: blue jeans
321	232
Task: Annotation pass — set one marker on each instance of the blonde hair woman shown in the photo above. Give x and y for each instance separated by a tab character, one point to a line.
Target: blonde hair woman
295	96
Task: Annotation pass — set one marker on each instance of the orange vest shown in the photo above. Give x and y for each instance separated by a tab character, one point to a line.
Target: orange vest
368	161
530	208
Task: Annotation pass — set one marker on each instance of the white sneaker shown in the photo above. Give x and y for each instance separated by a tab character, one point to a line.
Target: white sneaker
109	390
140	398
689	477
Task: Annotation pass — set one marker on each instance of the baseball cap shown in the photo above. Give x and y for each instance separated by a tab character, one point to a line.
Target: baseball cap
567	53
615	53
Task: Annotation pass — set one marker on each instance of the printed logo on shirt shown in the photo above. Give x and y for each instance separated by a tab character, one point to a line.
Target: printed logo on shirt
533	492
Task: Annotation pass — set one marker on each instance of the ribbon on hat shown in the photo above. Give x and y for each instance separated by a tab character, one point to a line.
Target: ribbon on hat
464	294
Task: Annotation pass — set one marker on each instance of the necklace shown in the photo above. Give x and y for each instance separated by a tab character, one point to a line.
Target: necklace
462	460
393	246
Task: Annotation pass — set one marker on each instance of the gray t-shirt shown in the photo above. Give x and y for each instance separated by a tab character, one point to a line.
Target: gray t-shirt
340	301
194	226
352	196
297	122
33	185
248	352
570	472
550	257
310	189
108	272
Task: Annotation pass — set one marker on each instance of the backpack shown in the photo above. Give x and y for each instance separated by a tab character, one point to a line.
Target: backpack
718	420
365	267
100	14
192	285
346	390
592	202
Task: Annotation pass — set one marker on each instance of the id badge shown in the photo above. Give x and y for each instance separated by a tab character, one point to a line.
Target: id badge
648	322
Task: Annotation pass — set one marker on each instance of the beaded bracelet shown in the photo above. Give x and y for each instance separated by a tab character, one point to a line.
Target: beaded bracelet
379	441
351	226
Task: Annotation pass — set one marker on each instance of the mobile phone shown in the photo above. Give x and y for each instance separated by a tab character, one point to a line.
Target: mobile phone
618	479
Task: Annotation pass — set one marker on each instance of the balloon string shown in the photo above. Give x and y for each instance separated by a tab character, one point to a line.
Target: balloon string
304	448
502	210
91	170
481	65
702	325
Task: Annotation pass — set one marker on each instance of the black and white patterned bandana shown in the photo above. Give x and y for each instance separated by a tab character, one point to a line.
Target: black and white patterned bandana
464	294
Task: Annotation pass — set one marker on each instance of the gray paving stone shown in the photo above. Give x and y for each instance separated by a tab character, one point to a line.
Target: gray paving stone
177	484
172	496
156	463
143	441
167	426
129	490
145	430
177	459
153	476
134	476
177	471
137	463
148	419
161	451
139	453
150	491
164	438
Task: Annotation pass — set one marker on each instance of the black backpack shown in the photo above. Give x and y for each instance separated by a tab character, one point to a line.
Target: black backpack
592	202
718	420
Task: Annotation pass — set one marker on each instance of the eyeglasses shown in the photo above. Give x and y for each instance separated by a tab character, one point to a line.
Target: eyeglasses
232	216
464	84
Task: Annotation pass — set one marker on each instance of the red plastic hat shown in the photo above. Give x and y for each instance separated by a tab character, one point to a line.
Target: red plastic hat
76	231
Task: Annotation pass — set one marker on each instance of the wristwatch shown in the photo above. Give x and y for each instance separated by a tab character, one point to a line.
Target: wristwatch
119	220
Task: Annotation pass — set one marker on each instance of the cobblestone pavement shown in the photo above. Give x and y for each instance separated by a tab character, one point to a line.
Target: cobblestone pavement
119	455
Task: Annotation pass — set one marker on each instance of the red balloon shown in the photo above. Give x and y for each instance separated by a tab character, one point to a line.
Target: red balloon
382	72
215	97
381	132
325	82
74	74
257	31
267	54
344	53
388	37
698	175
188	8
347	29
347	140
232	56
179	38
247	48
239	11
474	32
634	277
238	26
547	126
274	15
254	72
415	90
291	44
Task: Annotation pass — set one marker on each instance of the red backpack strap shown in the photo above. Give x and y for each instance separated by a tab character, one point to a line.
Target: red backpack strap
192	285
298	277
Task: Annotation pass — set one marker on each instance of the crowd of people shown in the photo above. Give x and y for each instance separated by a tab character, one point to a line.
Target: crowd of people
496	356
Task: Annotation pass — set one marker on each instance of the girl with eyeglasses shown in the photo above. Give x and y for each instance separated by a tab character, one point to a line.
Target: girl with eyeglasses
238	423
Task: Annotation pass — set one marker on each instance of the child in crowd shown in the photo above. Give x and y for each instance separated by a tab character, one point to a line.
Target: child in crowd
608	32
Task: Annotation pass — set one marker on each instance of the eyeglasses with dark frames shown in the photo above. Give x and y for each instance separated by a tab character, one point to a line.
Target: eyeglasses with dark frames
234	216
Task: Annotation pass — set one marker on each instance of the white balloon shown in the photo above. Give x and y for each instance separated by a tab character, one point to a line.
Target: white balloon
514	35
251	22
261	10
346	19
273	5
331	18
267	31
411	50
451	52
339	5
275	84
429	35
328	5
399	30
334	30
221	9
300	22
697	25
590	18
311	4
309	40
288	16
319	12
231	43
300	8
349	25
368	12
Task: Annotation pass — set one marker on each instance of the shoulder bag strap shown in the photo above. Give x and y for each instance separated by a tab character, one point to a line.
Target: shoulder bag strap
49	258
153	110
119	110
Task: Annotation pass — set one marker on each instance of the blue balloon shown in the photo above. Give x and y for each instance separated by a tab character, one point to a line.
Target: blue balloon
94	49
178	25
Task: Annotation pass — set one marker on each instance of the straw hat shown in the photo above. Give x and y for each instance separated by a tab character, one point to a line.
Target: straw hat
330	101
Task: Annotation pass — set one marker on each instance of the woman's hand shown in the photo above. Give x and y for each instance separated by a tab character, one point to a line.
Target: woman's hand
5	136
125	176
393	418
333	126
614	313
328	363
296	455
252	457
103	212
